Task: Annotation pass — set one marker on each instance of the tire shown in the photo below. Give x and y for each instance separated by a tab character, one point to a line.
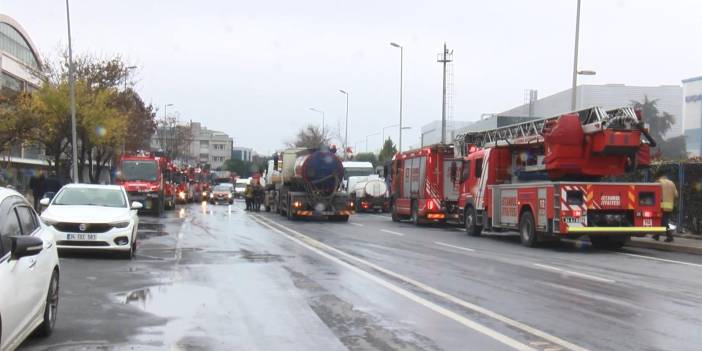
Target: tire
414	214
608	243
393	213
527	230
470	219
51	309
291	216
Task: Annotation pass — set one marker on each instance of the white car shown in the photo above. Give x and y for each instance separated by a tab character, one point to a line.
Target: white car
93	217
29	272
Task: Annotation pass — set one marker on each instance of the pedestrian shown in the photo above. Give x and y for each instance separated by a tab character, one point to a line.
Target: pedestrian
53	185
248	196
669	194
38	186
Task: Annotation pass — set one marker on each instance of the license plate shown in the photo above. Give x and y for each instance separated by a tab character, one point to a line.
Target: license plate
81	236
648	222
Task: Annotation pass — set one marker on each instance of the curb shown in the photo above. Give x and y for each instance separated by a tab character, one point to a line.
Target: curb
665	246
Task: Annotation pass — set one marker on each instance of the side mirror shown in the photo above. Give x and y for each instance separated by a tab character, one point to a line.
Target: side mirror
45	201
136	205
23	246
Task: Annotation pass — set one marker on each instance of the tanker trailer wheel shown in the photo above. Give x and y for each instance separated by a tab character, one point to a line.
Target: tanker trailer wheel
470	219
527	229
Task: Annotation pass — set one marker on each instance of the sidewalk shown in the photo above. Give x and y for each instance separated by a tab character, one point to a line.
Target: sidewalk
681	244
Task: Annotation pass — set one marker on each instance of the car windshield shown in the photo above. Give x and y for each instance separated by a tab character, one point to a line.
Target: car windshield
353	172
139	170
222	188
91	197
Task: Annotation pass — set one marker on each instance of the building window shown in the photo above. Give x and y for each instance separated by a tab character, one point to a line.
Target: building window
204	143
11	83
218	146
12	42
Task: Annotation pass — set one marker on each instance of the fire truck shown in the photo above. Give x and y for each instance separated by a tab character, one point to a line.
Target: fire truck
142	176
544	178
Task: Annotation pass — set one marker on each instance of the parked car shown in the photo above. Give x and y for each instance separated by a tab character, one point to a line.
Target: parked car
240	186
93	217
222	193
29	272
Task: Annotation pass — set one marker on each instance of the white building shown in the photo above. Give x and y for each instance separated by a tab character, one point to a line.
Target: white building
692	115
668	98
242	153
210	146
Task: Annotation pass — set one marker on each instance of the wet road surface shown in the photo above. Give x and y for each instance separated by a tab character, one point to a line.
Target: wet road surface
218	278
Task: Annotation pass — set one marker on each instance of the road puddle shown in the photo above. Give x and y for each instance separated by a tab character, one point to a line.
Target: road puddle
150	230
177	301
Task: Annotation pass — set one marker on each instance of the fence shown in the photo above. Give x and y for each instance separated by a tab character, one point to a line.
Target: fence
687	177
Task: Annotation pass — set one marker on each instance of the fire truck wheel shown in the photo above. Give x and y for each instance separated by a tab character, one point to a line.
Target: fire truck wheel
527	230
393	214
472	228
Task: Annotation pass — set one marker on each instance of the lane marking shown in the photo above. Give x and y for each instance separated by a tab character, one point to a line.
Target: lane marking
356	224
391	232
662	259
573	273
317	248
476	308
454	246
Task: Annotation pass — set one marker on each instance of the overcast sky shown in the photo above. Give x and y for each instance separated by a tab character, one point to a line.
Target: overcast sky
254	68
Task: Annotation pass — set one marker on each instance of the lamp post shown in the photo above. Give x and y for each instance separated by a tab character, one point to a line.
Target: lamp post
165	125
346	129
72	84
575	59
402	53
322	112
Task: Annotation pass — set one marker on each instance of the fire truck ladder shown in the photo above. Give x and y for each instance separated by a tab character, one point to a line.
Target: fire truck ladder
592	119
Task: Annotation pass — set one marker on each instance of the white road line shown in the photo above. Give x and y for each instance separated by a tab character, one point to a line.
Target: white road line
576	274
448	297
356	224
454	246
317	248
391	232
662	259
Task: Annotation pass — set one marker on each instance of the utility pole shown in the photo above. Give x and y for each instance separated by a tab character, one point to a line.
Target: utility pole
402	53
346	129
72	83
443	58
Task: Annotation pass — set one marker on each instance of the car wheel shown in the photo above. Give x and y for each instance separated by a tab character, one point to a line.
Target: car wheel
472	228
51	308
527	230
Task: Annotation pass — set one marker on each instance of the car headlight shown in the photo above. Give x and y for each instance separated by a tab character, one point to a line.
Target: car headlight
181	195
229	195
204	193
121	224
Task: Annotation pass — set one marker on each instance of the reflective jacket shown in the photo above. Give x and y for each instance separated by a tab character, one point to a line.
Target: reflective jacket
668	194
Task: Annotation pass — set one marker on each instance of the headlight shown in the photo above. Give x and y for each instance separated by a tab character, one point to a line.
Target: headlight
204	193
229	195
123	224
181	195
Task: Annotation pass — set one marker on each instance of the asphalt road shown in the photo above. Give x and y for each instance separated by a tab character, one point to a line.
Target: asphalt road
218	278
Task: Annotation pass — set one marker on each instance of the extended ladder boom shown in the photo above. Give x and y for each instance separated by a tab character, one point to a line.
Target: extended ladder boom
592	120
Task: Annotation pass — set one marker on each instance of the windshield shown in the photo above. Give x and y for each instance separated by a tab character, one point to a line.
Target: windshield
353	172
91	197
222	188
139	170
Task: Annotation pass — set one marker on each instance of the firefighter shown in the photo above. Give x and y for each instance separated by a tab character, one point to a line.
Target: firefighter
668	196
248	195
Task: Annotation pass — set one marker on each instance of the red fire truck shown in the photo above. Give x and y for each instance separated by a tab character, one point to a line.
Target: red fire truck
543	178
141	175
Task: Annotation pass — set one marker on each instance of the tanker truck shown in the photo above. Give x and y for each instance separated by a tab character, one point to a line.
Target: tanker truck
306	183
370	193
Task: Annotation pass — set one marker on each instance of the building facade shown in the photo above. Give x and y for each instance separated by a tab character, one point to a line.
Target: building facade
242	153
692	115
201	145
20	70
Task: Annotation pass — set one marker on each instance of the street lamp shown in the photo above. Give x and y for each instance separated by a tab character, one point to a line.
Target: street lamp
346	129
165	125
322	112
575	59
72	84
401	62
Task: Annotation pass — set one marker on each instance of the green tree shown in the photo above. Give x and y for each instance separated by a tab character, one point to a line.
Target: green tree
241	168
387	152
367	157
659	124
310	137
17	120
